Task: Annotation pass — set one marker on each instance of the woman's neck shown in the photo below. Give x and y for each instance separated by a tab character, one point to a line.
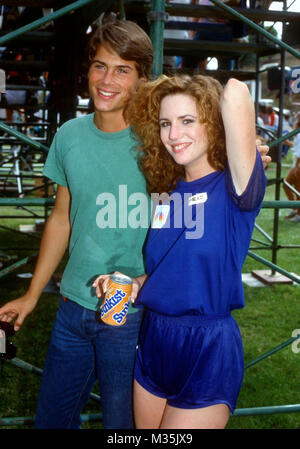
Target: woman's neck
196	172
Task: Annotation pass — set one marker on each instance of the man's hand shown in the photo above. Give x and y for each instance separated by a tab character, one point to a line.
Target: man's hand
18	310
263	149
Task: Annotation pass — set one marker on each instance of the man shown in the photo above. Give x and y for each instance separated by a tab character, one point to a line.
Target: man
91	156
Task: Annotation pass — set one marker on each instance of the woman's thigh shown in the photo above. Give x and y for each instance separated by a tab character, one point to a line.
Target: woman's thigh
213	417
115	356
148	408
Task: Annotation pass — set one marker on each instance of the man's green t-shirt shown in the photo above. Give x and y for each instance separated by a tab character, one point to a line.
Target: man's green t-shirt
109	212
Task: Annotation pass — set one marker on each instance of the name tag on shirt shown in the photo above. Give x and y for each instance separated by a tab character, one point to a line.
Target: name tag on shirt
198	198
160	216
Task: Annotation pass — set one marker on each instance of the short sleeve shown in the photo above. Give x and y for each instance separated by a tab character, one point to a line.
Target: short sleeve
53	168
253	195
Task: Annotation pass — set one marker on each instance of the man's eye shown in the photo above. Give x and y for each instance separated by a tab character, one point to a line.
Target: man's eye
122	71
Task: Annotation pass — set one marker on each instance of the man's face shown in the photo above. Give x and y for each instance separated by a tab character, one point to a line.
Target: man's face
112	80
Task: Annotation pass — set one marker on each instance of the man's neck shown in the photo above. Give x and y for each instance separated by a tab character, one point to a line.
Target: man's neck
110	122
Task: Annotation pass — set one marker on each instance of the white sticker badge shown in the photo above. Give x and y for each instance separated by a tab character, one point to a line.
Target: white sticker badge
160	216
198	198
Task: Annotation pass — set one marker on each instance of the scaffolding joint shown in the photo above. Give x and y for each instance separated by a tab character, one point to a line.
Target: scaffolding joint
157	16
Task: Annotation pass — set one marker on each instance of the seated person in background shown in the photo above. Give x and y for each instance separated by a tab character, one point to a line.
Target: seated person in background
216	30
293	177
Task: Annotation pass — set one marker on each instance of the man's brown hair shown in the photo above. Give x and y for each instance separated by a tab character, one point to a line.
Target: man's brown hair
128	40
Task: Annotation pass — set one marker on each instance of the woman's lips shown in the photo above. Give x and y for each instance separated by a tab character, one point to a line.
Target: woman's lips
180	147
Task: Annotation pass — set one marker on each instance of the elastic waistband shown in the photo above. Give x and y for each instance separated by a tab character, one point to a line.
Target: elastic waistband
189	320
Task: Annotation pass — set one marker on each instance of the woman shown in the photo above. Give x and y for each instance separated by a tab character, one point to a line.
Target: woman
198	142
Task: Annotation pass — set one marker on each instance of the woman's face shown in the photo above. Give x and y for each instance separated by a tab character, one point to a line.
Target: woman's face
181	132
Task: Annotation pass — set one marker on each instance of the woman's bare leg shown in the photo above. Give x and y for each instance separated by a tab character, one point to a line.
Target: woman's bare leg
148	408
213	417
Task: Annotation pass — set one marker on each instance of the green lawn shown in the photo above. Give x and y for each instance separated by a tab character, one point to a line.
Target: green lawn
270	317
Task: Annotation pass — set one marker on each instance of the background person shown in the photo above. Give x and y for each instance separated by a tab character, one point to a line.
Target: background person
293	177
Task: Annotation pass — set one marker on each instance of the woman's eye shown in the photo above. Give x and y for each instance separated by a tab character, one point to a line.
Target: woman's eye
187	121
164	124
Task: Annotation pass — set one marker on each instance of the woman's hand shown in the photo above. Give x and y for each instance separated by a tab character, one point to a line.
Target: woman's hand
101	285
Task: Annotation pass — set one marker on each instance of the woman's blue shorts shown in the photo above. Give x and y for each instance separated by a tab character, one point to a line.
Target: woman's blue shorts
192	361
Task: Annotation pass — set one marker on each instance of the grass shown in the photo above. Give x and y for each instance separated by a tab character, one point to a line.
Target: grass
269	318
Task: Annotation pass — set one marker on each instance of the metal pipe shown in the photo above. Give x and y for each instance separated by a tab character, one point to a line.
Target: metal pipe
50	201
261	242
279	204
274	267
272	351
16	231
39	22
279	149
291	188
22	217
266	410
17	265
260	247
29	420
264	233
28	367
278	247
257	80
24	365
122	10
26	201
24	138
157	17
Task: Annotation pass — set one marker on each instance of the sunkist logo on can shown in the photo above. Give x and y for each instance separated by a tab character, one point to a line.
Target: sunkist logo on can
112	301
119	317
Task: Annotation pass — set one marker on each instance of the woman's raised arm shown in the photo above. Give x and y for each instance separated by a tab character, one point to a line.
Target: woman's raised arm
238	115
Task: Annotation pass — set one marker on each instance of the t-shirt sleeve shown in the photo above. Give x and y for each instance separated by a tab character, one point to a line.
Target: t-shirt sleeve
253	195
54	168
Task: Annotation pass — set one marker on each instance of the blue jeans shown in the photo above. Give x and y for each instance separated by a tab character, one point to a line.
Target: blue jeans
83	349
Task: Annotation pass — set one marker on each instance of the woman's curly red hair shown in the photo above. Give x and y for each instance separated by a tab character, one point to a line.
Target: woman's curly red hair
142	112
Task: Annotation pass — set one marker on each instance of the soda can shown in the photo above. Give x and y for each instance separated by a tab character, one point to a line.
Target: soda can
117	299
